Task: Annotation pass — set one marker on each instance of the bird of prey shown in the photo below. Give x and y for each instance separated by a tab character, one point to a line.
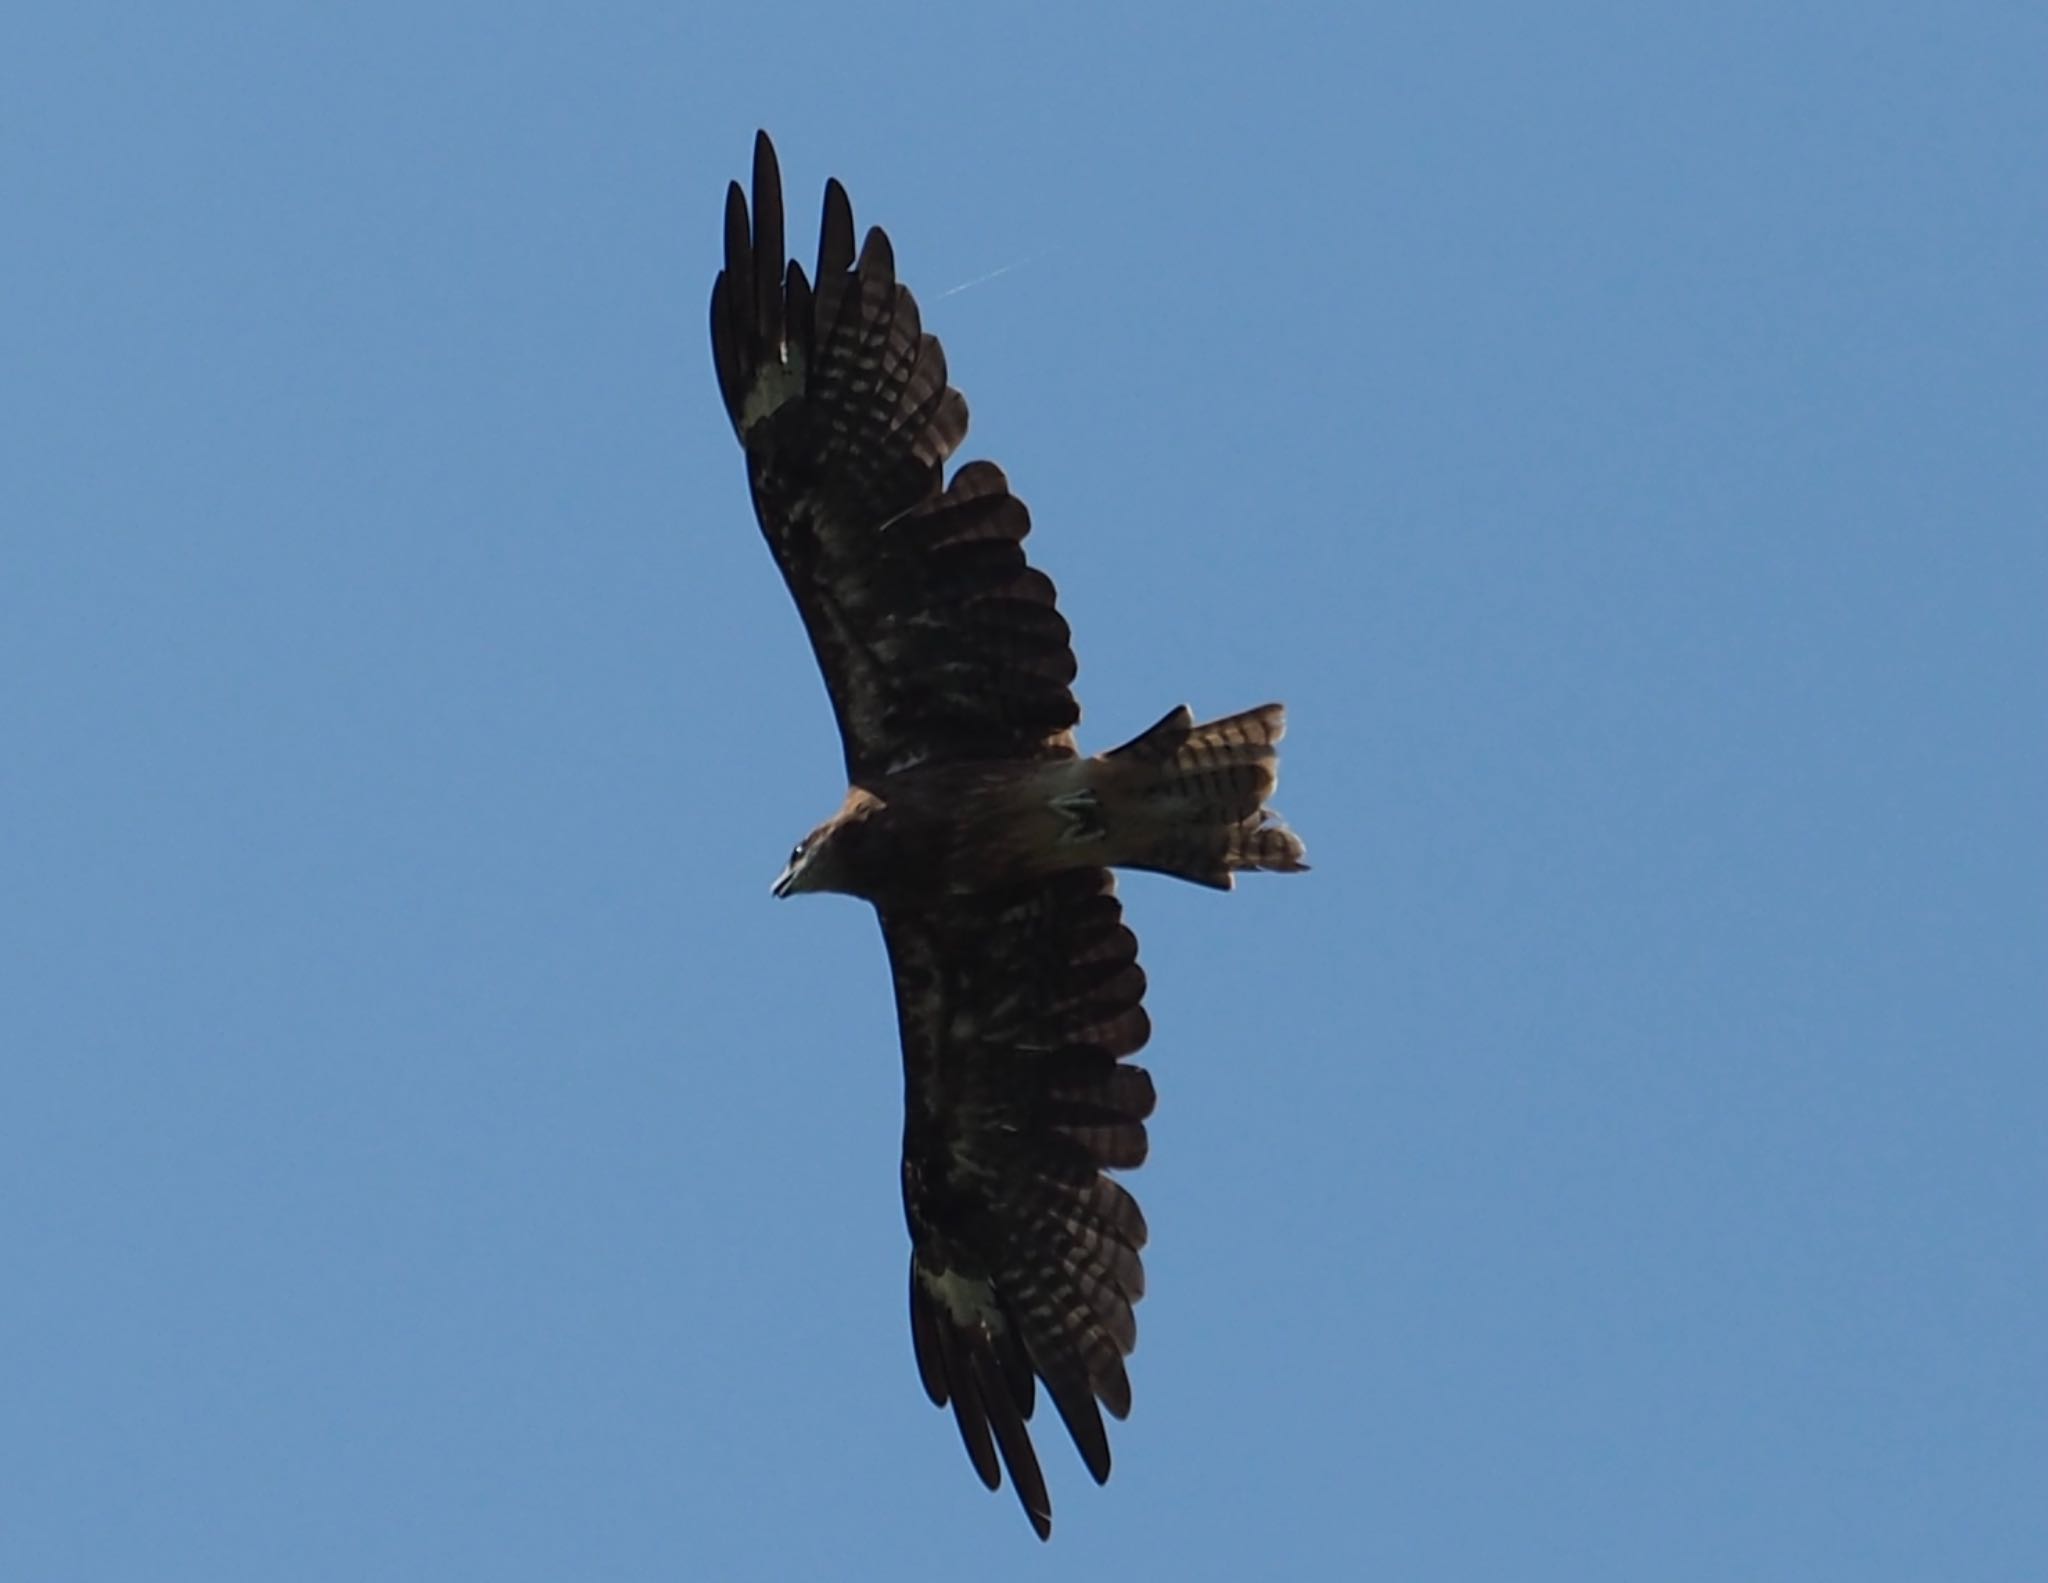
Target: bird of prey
983	838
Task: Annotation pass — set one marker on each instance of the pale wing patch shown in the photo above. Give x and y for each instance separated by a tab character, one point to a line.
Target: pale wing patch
968	1302
772	388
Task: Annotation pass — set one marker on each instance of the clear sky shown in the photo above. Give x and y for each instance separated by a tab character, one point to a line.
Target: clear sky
1616	430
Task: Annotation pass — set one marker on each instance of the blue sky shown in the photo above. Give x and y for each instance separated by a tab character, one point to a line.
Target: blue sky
1615	430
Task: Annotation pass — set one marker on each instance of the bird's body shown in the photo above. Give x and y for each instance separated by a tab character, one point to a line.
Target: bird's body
982	837
1176	800
941	830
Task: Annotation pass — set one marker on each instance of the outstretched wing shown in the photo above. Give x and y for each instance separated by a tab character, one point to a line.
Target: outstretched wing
1017	1008
937	640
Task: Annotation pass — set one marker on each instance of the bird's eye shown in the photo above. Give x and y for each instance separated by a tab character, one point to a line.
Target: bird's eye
796	854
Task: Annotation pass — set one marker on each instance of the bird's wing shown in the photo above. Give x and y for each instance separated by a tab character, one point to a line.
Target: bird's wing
936	639
1017	1009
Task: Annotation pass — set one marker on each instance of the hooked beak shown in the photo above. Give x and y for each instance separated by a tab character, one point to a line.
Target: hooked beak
784	881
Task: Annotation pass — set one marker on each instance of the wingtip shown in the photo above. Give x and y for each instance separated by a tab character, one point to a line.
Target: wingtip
835	232
739	229
877	255
768	244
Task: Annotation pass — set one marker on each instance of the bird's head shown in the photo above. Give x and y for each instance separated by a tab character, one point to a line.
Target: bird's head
811	863
829	858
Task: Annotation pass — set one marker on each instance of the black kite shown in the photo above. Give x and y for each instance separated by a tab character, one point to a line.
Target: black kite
982	838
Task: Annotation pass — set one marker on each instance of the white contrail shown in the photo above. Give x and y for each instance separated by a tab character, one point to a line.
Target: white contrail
982	280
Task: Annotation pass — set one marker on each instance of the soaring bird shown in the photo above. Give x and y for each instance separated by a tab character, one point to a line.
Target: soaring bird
982	836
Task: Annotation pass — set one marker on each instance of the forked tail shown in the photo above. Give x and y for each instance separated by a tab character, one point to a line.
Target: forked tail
1190	800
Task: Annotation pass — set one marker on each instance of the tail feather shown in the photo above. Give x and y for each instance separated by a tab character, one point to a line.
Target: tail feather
1189	800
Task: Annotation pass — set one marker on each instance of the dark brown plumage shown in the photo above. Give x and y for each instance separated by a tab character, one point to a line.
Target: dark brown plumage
983	839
